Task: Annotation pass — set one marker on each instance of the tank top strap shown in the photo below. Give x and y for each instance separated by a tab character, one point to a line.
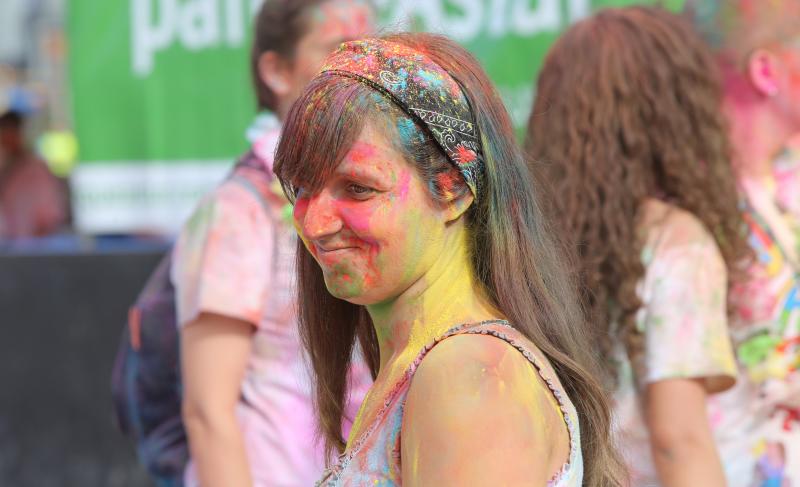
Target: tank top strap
481	327
502	330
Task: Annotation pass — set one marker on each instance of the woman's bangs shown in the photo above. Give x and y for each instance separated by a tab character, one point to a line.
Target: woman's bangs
321	127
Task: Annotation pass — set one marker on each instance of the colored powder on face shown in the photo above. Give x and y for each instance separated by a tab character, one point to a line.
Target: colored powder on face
791	59
374	265
320	223
355	217
298	213
361	153
403	185
346	285
419	86
739	26
350	18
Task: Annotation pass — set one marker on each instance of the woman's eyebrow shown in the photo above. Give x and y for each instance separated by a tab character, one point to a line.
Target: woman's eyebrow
364	171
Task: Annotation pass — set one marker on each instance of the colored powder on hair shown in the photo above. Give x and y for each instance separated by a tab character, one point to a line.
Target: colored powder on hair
408	130
446	182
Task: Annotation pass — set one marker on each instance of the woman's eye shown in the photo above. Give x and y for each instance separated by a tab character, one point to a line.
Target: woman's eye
358	191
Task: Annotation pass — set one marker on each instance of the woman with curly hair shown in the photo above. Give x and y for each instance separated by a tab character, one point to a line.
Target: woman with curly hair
628	135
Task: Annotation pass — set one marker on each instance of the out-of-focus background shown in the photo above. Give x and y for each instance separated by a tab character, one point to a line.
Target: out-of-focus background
127	111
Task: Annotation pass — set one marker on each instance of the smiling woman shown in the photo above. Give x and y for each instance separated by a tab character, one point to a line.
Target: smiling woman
357	225
421	237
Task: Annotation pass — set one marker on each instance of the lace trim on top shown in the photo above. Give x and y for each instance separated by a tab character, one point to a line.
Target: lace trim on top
331	475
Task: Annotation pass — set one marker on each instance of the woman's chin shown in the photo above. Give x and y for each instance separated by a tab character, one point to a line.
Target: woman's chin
345	288
351	293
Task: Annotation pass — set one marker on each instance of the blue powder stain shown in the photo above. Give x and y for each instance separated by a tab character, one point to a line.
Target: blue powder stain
433	80
376	97
402	74
407	129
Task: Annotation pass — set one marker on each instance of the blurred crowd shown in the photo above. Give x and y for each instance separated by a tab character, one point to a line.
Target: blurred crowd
663	148
33	106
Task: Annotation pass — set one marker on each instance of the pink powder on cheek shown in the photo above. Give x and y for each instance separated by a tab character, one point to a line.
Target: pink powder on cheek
794	78
299	213
403	185
356	216
300	208
371	278
790	58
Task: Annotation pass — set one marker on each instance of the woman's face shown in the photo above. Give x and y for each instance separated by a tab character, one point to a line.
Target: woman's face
790	58
373	228
330	24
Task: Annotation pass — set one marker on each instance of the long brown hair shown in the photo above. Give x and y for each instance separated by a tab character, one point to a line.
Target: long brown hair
628	107
513	254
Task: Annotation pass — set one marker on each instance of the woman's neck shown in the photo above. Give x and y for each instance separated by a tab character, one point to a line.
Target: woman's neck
447	295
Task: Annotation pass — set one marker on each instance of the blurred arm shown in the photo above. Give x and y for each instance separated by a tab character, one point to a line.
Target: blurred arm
683	446
214	355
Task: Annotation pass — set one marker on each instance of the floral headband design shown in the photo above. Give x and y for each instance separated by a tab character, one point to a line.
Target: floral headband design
422	89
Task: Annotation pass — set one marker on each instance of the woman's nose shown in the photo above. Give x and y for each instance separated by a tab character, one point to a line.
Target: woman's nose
317	217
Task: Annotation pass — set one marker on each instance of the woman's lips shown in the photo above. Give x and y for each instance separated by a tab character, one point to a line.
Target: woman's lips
333	252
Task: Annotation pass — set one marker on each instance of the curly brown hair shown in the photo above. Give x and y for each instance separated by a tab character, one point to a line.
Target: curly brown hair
628	107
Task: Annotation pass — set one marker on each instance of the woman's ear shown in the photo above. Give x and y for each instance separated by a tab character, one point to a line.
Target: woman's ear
274	72
457	206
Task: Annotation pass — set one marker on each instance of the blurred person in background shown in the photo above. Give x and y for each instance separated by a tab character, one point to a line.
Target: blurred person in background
628	133
786	170
757	46
32	201
247	401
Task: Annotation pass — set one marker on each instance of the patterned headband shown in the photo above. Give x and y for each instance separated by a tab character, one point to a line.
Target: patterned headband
423	90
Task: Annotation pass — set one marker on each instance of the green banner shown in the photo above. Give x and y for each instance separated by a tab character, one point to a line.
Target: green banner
161	94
